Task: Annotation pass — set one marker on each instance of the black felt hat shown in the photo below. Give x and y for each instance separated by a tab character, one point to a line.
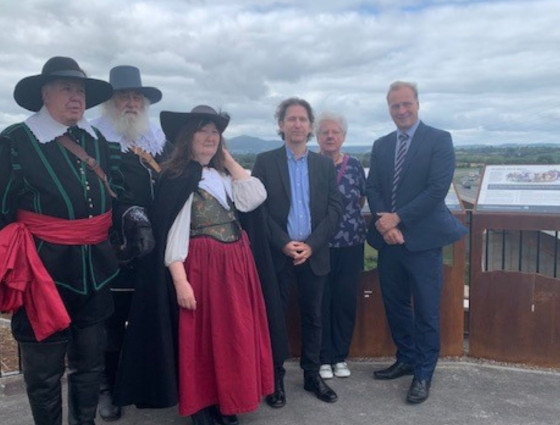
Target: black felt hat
126	77
28	90
172	122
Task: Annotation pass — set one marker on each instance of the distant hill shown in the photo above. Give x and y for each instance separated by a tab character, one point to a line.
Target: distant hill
249	144
253	145
506	146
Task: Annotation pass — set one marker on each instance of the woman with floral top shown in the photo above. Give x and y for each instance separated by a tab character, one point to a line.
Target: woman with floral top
346	250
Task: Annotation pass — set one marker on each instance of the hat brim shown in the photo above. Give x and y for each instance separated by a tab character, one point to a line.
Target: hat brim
172	122
27	92
153	94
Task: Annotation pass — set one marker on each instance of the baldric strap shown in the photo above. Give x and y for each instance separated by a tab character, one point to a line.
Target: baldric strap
79	152
147	157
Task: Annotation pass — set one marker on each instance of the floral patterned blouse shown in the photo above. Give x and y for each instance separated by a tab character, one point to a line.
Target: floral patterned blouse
352	185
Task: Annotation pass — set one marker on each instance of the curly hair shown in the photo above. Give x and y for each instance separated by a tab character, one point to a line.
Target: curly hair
283	107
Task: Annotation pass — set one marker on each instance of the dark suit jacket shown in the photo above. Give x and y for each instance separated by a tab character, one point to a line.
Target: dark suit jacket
325	206
425	179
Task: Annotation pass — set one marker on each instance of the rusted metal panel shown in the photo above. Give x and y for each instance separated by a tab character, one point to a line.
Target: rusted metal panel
514	316
372	337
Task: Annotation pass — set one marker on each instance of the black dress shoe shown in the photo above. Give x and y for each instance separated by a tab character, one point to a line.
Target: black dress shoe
202	417
107	410
278	398
396	370
315	384
223	419
419	391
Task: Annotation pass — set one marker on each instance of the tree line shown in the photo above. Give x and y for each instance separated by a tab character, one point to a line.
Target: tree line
469	156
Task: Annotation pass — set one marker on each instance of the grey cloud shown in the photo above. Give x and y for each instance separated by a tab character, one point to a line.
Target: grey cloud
486	70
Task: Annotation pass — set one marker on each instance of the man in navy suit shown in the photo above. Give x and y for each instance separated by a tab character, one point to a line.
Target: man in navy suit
411	170
302	209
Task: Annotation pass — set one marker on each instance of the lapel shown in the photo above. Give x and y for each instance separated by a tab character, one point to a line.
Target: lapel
314	176
386	161
282	165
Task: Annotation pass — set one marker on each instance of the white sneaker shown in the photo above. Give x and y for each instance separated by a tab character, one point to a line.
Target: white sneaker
325	371
341	370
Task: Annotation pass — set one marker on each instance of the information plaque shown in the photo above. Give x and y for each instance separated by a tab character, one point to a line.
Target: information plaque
528	189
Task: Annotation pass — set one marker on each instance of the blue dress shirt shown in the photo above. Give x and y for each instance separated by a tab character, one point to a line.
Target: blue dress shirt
299	217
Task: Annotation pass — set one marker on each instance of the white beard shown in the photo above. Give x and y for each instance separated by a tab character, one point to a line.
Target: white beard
132	127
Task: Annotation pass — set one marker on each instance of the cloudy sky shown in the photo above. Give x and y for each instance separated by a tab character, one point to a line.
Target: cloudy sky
488	71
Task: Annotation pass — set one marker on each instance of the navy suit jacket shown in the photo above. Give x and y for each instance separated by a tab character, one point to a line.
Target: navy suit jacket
325	206
427	173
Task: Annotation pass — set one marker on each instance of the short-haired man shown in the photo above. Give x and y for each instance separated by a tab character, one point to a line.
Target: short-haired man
410	172
55	170
302	208
125	120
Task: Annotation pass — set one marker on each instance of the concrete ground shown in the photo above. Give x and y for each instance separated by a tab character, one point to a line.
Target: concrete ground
463	392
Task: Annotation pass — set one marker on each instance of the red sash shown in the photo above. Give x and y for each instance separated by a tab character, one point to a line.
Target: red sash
83	231
24	282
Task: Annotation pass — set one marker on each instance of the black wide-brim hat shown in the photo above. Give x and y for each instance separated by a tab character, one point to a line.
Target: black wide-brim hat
126	77
28	90
172	122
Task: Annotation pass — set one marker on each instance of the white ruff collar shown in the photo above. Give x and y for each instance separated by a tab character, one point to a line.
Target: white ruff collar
152	141
45	128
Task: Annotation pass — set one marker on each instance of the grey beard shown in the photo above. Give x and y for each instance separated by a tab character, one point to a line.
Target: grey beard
131	127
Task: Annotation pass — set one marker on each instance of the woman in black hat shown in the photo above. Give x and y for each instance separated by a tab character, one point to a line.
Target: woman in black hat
224	354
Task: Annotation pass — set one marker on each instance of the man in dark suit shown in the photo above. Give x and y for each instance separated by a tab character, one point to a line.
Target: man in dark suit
302	209
411	170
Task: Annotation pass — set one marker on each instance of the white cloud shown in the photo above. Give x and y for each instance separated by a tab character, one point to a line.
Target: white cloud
486	70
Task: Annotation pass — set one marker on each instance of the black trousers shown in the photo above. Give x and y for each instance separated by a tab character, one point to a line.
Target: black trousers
310	296
43	368
339	302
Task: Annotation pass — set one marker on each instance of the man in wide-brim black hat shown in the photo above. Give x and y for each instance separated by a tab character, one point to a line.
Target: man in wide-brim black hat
57	181
125	120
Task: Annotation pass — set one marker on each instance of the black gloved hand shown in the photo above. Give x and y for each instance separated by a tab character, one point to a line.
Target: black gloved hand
138	239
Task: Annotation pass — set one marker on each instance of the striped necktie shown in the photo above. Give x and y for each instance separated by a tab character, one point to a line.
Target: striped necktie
401	154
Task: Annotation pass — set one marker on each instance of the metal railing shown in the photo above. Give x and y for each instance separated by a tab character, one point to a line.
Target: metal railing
528	251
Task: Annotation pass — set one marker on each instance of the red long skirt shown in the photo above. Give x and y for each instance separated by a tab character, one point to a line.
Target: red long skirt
224	345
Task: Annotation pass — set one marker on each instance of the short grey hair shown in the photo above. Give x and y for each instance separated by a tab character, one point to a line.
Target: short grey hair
401	84
331	116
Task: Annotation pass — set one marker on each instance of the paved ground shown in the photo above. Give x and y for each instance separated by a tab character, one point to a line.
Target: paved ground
463	392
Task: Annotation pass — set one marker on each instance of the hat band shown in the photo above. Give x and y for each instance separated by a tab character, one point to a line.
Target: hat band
68	73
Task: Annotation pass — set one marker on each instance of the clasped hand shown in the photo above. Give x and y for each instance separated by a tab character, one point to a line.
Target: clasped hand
298	251
387	224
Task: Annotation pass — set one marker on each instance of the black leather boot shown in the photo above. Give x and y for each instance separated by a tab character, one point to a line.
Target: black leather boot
107	410
85	365
43	367
278	398
223	419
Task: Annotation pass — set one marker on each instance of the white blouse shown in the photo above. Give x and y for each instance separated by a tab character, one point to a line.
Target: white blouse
246	194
